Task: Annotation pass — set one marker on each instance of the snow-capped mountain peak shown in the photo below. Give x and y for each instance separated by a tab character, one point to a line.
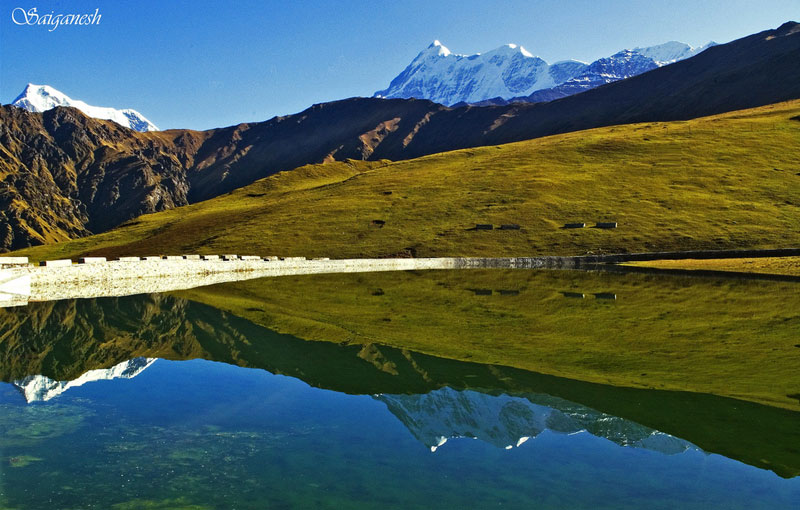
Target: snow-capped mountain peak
439	48
448	78
40	98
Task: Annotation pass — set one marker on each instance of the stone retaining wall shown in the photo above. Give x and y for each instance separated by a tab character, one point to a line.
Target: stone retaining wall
97	277
136	275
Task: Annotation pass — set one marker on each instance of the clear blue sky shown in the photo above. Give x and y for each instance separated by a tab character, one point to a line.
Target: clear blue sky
203	64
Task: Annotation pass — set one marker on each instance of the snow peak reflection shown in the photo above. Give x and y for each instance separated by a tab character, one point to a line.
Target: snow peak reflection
32	17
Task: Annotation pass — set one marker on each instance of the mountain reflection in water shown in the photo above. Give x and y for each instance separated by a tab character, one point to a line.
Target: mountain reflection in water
502	420
507	421
200	434
156	401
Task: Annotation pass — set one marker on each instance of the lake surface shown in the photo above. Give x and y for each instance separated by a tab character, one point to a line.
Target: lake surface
239	416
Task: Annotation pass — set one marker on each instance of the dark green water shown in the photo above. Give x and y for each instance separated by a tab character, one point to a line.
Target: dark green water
266	420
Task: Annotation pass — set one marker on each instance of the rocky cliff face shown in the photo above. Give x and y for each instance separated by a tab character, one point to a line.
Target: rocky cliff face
65	175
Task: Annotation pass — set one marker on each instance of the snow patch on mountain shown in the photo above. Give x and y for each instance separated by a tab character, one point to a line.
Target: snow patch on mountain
39	388
40	98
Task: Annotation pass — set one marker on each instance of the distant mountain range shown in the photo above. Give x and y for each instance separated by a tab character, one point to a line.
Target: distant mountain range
510	73
40	98
64	175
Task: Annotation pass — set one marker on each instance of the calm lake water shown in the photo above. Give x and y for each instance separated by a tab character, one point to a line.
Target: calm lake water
299	424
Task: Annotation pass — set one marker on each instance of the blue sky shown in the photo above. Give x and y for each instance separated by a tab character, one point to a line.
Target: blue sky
207	64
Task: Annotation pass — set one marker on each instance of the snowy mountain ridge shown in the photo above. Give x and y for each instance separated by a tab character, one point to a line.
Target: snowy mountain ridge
40	98
671	51
512	72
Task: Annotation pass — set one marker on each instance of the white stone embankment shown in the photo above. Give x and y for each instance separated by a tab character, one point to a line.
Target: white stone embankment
96	277
21	282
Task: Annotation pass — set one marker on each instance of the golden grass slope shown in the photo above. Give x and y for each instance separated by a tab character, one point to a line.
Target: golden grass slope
766	265
726	181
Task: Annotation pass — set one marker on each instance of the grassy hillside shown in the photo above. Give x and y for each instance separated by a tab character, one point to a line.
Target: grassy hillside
766	265
726	181
726	337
